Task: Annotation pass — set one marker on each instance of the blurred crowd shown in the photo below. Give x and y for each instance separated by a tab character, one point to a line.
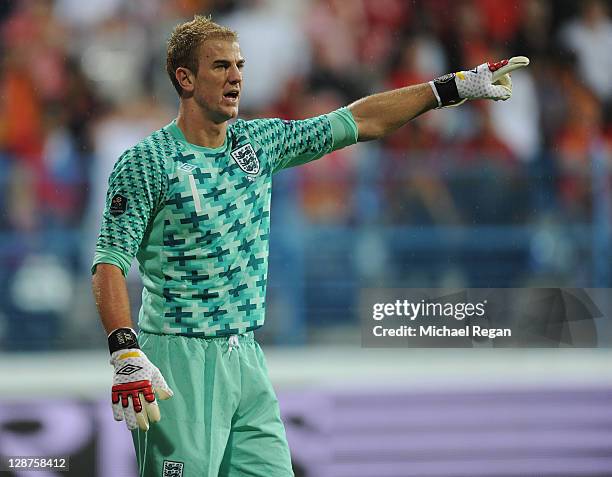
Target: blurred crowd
82	81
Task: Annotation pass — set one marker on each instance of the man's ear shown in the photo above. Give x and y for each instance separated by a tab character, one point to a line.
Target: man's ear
186	79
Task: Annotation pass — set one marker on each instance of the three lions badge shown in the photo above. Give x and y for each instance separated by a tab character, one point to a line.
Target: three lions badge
246	159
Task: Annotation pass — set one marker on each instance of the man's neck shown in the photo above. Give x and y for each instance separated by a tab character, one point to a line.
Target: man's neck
198	129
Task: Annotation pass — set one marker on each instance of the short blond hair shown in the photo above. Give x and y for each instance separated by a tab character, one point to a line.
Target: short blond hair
184	41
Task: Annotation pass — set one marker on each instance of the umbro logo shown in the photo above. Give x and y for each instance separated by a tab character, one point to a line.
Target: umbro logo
185	167
129	369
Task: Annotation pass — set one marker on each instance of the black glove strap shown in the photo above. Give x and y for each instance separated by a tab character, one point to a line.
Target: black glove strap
447	90
122	338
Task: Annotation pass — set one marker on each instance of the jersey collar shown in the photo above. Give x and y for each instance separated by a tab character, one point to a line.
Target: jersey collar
176	132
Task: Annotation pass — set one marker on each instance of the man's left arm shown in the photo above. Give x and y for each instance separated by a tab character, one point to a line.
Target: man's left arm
380	114
292	143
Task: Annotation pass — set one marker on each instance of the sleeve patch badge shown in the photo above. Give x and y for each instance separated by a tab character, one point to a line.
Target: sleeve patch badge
118	205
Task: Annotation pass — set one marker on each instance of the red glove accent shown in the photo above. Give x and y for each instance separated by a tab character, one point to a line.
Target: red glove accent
133	389
497	65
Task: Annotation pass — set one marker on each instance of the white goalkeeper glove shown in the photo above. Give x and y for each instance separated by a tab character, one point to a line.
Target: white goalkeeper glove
135	383
486	81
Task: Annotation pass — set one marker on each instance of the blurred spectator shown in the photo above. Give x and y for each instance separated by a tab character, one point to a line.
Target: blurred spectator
501	24
32	79
381	24
534	37
581	129
275	50
114	56
79	14
471	28
420	59
517	121
590	37
335	49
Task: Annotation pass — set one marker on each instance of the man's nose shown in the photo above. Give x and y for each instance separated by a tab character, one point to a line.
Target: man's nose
234	75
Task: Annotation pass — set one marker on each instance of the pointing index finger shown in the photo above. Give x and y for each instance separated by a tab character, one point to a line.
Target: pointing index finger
513	63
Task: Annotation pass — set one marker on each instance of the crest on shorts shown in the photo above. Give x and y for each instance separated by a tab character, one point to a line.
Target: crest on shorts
173	469
246	158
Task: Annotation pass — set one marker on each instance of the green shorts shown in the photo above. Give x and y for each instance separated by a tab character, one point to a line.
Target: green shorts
223	419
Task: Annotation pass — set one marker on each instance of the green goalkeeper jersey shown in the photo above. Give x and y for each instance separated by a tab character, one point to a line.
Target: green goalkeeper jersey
198	219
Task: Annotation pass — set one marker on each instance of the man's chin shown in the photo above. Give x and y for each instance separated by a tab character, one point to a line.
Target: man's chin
221	118
229	113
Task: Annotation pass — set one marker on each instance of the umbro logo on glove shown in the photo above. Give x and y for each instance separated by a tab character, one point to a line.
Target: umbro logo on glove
128	369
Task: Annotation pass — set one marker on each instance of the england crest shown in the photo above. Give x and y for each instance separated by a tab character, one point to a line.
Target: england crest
173	469
246	158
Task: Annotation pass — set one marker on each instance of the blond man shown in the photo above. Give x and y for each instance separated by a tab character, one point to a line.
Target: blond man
192	203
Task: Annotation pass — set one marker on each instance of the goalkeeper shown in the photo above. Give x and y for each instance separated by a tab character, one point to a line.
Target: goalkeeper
192	203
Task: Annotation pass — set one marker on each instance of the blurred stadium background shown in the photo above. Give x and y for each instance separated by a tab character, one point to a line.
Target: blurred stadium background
486	195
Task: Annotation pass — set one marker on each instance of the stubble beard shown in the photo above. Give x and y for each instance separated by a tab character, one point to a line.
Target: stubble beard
217	114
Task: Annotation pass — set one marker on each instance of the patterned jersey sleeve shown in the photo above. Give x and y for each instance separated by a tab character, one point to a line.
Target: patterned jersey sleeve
136	189
291	143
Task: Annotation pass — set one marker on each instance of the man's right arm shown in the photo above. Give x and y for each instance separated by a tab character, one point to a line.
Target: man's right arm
136	188
111	296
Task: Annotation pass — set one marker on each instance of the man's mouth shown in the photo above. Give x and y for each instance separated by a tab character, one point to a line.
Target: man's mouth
231	96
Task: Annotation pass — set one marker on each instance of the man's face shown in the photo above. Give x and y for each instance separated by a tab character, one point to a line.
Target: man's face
218	82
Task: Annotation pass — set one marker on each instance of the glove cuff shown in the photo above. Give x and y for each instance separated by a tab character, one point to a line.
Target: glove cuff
445	89
122	338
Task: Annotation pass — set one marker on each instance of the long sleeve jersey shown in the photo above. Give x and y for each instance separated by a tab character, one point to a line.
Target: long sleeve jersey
198	219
